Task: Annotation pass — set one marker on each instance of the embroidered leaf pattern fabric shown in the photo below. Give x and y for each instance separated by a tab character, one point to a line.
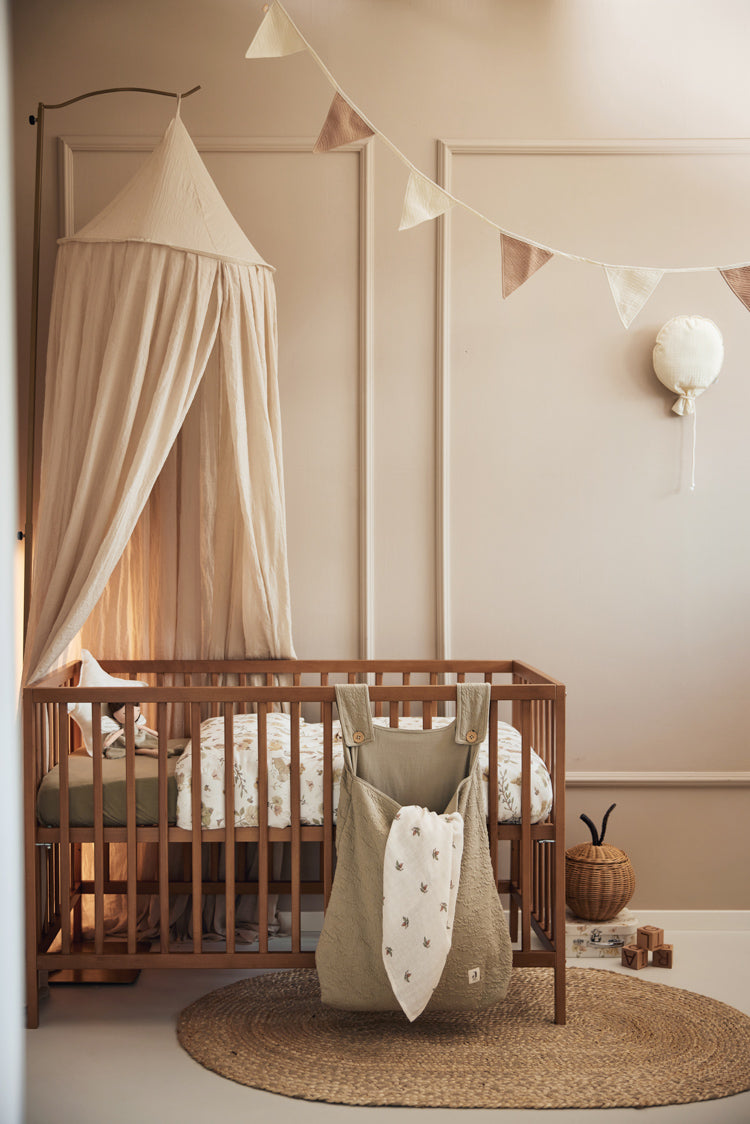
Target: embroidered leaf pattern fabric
278	735
416	946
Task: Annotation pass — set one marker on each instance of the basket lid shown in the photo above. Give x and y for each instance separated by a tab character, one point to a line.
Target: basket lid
588	853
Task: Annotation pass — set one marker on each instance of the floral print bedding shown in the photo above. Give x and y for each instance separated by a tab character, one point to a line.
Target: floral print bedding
278	735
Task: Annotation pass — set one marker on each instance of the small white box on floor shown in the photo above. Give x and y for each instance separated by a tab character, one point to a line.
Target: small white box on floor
599	938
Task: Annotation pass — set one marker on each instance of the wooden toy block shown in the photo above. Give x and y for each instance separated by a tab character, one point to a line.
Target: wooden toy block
663	956
633	956
649	937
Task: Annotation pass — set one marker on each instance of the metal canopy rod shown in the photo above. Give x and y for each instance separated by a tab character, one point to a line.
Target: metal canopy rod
38	120
118	90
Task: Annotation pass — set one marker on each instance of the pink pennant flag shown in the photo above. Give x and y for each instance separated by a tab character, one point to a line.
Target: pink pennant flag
423	200
631	288
342	126
275	37
520	261
738	281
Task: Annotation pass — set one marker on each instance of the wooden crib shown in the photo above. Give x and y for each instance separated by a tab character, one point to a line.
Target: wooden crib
528	858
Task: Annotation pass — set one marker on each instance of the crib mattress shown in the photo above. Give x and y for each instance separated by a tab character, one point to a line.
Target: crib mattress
81	787
311	772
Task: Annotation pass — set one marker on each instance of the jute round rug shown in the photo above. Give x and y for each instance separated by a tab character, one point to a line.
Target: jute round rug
627	1043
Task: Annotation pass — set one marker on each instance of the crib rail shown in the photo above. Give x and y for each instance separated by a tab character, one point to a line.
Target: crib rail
68	867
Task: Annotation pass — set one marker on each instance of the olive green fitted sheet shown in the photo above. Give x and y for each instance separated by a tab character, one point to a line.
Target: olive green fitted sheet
81	788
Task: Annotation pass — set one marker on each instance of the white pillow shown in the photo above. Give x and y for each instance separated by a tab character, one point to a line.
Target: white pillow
92	675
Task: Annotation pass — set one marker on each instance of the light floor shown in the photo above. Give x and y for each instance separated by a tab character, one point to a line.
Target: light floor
110	1055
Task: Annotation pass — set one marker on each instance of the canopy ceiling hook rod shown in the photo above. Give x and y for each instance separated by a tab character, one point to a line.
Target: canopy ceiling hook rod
28	533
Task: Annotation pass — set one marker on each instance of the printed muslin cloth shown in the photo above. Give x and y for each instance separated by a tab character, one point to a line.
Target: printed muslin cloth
421	872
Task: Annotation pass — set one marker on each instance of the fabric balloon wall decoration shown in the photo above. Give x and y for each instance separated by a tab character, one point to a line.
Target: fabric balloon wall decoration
688	356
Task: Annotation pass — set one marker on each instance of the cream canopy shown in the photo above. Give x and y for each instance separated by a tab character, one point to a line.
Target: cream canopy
158	289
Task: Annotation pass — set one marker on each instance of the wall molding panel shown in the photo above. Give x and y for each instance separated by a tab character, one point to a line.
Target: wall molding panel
447	153
71	146
672	779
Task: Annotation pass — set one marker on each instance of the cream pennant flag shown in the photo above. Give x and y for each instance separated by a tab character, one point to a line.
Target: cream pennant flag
738	281
275	37
520	261
342	126
423	200
631	288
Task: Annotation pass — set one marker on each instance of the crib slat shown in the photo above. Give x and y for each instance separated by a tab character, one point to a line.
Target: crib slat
39	757
57	893
296	816
54	718
393	707
406	679
64	885
161	730
378	683
551	747
96	726
131	844
430	706
229	858
197	819
526	825
327	709
492	780
49	852
513	902
547	889
558	891
78	900
535	877
262	828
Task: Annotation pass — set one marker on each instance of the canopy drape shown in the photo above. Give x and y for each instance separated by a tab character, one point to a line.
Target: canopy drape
159	292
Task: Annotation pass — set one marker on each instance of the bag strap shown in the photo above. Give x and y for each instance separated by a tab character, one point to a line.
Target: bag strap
353	702
472	712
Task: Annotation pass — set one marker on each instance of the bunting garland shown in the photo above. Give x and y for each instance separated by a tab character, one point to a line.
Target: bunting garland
520	260
277	36
738	281
424	200
631	288
343	125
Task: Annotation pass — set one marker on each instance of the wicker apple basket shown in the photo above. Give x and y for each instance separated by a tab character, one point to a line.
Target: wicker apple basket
599	880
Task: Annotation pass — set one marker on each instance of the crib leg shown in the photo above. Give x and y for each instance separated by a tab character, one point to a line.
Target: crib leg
560	994
513	919
513	901
32	999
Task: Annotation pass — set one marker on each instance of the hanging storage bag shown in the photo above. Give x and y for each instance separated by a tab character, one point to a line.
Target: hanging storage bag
409	800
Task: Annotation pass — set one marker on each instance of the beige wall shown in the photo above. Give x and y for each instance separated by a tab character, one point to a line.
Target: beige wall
571	538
